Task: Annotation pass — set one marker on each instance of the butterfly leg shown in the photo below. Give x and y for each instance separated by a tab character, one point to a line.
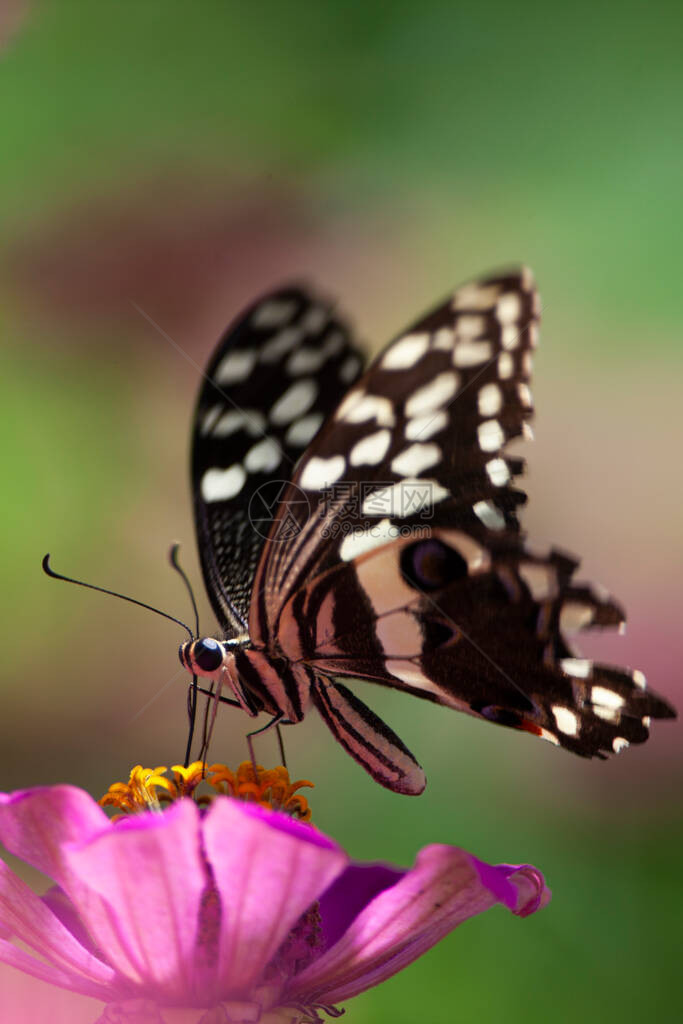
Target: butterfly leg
275	720
192	716
281	745
221	699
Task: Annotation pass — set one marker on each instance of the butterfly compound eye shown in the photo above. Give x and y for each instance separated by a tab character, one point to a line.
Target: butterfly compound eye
207	654
431	564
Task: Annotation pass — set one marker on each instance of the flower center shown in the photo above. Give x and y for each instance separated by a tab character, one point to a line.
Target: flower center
150	788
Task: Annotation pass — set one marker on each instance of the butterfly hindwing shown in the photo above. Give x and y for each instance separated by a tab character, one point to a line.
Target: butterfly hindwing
275	376
480	631
367	738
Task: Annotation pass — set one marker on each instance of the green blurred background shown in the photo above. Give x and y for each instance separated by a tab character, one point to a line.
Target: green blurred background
185	157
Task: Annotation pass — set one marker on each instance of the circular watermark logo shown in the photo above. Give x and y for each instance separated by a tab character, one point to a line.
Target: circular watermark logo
266	507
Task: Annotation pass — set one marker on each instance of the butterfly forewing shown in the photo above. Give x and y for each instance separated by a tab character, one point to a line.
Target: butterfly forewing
417	440
275	376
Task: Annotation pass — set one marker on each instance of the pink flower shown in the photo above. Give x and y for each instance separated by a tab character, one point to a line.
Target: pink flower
236	913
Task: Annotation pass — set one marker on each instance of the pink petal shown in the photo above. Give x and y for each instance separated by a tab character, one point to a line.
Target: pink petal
131	1011
143	1011
19	958
147	875
268	869
350	893
532	892
444	888
36	823
56	901
26	917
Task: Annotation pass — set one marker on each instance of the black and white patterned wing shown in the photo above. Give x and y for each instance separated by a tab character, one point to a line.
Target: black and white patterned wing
410	569
277	373
417	441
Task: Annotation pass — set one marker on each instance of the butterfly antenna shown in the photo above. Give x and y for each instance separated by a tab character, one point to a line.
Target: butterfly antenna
207	726
173	558
49	571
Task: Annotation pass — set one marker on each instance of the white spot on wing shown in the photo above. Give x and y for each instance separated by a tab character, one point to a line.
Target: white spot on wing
619	744
359	541
416	459
509	307
284	341
470	326
472	353
302	431
405	353
489	400
348	402
476	296
273	313
639	679
490	516
510	336
305	360
607	714
296	400
443	339
607	698
334	343
567	720
367	407
405	498
264	457
498	472
314	319
349	368
506	365
222	484
319	473
580	668
235	367
491	436
250	420
524	395
421	428
209	418
371	450
432	395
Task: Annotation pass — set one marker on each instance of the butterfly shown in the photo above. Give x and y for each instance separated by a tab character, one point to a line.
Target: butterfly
360	525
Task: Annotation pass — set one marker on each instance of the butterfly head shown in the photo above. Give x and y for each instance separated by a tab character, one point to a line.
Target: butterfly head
204	656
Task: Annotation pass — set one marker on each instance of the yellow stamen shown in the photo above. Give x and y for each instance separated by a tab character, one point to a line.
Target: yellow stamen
140	792
268	787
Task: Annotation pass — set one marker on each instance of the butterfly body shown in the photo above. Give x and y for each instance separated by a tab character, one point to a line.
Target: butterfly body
363	528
